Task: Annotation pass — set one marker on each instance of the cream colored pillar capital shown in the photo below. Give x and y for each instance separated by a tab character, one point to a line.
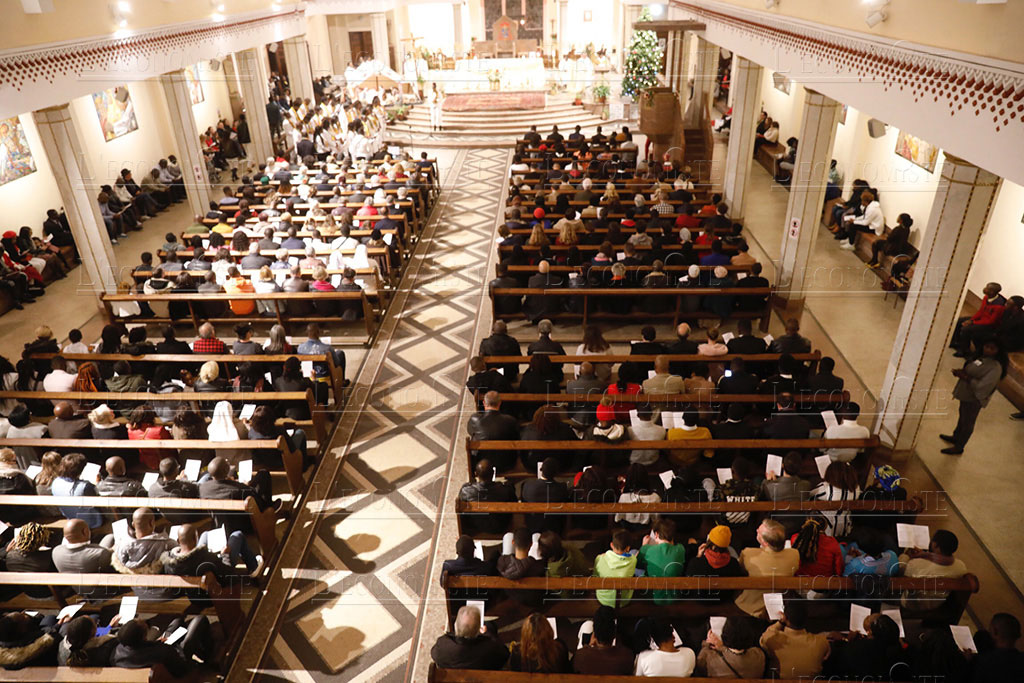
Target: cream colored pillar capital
960	210
806	195
186	138
78	191
746	103
300	73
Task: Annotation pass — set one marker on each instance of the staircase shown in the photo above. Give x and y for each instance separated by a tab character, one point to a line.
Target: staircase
493	128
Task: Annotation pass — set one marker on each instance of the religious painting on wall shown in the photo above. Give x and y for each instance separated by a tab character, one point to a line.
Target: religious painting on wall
195	86
917	151
15	157
115	111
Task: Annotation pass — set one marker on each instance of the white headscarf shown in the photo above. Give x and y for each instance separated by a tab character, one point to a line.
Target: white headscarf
222	424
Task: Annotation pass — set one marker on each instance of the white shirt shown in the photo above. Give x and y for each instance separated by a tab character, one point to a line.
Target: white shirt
872	218
58	380
847	429
658	663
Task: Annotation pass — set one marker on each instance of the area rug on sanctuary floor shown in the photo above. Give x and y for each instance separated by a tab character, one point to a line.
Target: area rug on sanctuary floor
492	101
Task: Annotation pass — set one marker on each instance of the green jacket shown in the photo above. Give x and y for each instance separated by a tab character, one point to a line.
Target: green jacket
663	559
611	564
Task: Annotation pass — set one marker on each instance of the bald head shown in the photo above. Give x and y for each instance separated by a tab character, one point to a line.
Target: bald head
218	468
683	330
114	466
76	531
499	327
586	369
544	267
63	410
143	520
467	622
661	365
792	326
188	537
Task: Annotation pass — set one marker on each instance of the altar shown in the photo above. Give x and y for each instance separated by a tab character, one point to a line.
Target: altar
472	75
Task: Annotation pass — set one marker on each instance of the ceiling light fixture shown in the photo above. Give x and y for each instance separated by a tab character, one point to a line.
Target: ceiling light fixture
771	4
875	18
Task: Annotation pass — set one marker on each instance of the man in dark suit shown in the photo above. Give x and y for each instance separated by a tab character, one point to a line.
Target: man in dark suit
505	304
545	490
253	260
738	380
754	280
745	342
484	489
533	137
719	221
791	341
648	346
682	345
501	343
786	423
483	380
734	427
493	425
784	381
66	425
583	414
545	344
554	136
536	306
824	380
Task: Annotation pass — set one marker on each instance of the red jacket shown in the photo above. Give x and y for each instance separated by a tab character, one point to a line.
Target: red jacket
990	313
829	561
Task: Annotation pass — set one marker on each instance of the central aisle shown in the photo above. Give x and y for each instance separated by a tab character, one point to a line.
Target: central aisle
357	558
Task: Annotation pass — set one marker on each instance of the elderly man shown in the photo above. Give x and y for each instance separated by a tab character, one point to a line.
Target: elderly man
66	424
253	260
469	646
770	558
537	306
501	343
683	345
78	555
207	341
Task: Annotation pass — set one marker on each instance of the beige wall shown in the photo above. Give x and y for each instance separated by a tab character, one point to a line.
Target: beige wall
321	58
990	30
1002	244
26	199
788	110
217	102
92	18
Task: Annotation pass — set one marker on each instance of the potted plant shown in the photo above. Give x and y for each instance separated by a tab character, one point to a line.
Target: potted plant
579	98
420	82
601	92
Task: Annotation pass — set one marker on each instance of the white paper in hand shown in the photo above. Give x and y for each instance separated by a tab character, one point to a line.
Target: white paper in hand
539	464
651	374
768	339
178	634
478	550
120	528
245	471
4	526
535	547
149	478
192	468
822	461
666	478
216	540
774	464
913	536
32	470
724	474
717	624
634	418
479	604
727	337
963	638
70	611
897	616
247	410
829	416
326	340
775	605
506	544
620	256
858	614
676	640
129	608
554	626
501	370
306	367
173	532
90	472
389	238
670	420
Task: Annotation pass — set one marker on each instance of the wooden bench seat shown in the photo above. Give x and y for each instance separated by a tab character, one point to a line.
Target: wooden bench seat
439	675
86	674
810	359
766	153
1011	386
513	269
282	317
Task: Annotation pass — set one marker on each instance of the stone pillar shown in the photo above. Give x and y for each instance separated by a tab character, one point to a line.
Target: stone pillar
563	28
703	80
186	139
78	190
460	38
685	37
300	75
807	193
961	208
252	80
746	92
379	36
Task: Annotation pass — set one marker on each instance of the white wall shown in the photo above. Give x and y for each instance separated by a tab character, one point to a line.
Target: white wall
786	109
1002	244
435	22
138	150
217	102
600	30
26	199
903	187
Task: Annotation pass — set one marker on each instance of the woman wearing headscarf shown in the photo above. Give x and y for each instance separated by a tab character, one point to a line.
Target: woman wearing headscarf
224	426
25	554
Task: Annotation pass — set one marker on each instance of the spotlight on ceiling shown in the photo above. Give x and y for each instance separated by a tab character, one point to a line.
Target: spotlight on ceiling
875	18
771	4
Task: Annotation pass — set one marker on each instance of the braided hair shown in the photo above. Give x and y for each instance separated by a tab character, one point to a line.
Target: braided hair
807	539
30	538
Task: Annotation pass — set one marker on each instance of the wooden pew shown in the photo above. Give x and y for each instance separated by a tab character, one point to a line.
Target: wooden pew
282	317
292	460
379	254
87	674
642	268
263	522
763	314
810	359
336	375
439	675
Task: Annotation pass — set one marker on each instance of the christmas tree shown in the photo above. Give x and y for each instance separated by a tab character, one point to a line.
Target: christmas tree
642	60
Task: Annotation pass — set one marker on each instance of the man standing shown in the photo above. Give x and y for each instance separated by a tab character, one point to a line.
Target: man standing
978	380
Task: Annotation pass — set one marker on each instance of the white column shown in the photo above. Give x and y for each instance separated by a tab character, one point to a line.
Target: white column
960	210
300	75
807	192
78	190
252	80
379	36
703	79
563	28
746	91
460	38
183	126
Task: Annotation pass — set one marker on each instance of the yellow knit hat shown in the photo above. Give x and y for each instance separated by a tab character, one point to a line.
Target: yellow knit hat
721	536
